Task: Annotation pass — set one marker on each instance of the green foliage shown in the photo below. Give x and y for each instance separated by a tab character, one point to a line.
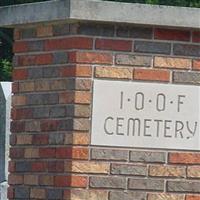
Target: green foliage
184	3
5	70
6	36
12	2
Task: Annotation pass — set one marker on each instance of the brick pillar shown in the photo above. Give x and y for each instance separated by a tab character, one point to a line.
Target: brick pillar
54	68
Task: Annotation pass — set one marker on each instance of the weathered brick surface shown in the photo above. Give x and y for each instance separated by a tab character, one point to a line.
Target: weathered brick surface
69	43
44	31
192	197
90	57
54	69
134	32
186	77
147	156
113	45
15	179
73	181
54	194
196	36
193	171
37	193
109	154
171	34
114	72
184	158
88	194
163	196
93	29
22	192
151	75
124	169
183	186
31	179
116	195
107	182
152	47
186	50
146	184
87	167
167	62
133	60
196	65
167	171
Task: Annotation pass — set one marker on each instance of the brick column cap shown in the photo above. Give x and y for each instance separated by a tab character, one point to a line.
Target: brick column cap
99	11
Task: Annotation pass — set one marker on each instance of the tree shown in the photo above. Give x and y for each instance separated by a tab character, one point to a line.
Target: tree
5	70
184	3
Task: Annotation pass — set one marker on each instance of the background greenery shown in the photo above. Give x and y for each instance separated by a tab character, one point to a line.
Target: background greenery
6	35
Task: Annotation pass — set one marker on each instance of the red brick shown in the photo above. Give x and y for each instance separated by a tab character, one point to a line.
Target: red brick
171	34
80	153
184	158
27	86
22	113
193	197
31	179
49	125
56	166
90	57
37	193
13	139
76	71
42	59
44	31
196	36
16	153
10	192
80	138
73	181
39	166
15	87
196	65
46	180
31	153
81	97
15	179
75	153
26	60
24	139
114	45
47	152
40	139
20	74
152	75
78	181
20	47
114	72
17	126
11	166
69	43
18	100
17	34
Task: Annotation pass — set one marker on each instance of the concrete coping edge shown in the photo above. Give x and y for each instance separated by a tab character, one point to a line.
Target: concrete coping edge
99	11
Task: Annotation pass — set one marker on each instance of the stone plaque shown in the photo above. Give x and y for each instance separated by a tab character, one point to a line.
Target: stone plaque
145	115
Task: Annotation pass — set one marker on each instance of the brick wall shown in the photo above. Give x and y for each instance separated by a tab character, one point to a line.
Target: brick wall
54	69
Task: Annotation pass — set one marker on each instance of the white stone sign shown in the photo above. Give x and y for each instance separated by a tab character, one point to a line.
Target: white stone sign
146	115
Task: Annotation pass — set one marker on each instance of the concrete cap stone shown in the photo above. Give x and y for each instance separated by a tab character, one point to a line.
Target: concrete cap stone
99	11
